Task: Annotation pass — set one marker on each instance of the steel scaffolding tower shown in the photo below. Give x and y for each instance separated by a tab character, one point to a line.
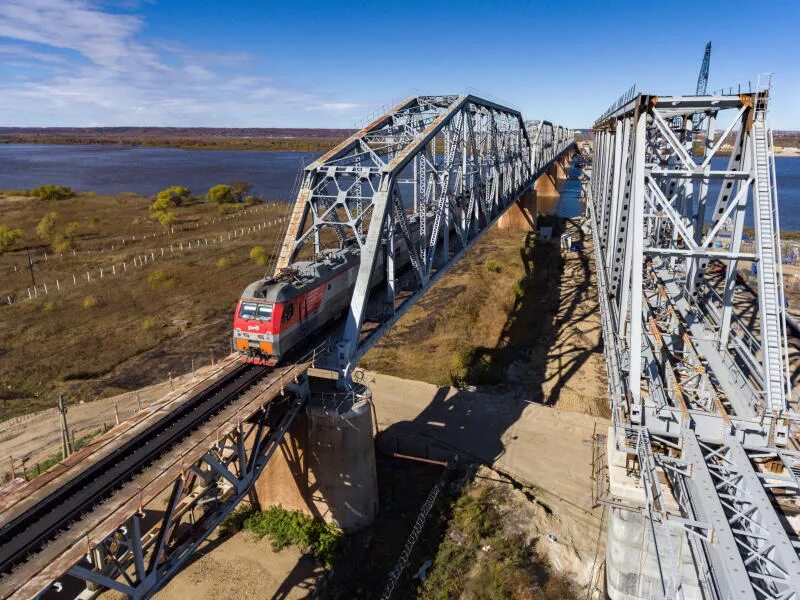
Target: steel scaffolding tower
690	381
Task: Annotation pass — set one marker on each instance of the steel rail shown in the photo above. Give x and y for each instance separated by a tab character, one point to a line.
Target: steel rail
21	536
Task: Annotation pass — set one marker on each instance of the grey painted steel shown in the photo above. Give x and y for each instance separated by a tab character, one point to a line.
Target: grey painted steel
684	371
437	170
210	490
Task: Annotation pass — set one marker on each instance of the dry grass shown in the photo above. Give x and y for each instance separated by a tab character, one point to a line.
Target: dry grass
129	329
464	311
514	312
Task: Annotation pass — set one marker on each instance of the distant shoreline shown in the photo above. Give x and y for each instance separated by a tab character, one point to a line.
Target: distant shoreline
305	144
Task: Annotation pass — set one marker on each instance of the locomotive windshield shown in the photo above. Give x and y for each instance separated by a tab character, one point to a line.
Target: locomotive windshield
264	312
254	310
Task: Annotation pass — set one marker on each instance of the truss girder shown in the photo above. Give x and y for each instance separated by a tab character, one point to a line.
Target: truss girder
681	364
137	561
434	172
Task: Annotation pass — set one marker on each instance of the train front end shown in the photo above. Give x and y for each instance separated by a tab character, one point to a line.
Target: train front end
254	332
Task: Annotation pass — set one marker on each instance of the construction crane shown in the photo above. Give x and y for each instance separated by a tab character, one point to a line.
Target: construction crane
702	84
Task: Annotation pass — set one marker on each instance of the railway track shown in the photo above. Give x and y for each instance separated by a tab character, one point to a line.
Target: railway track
27	533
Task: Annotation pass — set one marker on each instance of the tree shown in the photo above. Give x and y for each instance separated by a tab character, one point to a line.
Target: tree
240	189
53	192
166	218
47	226
8	237
221	194
258	255
165	200
174	195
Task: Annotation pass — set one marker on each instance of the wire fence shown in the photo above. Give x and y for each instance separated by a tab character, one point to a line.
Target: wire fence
125	242
138	261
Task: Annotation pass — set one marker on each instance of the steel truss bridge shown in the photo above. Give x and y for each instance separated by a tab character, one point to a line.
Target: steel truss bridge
431	174
127	512
701	400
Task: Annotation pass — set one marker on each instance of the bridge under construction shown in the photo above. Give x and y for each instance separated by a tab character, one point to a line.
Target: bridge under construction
700	470
702	455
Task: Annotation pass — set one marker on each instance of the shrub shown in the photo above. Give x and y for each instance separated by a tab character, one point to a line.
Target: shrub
148	324
492	266
53	192
61	243
235	521
226	209
160	279
89	302
8	237
284	527
222	194
258	255
223	263
47	225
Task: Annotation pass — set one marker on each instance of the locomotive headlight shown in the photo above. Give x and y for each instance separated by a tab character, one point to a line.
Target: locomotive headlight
238	332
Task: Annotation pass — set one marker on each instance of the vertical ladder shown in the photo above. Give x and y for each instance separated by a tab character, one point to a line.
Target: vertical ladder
768	240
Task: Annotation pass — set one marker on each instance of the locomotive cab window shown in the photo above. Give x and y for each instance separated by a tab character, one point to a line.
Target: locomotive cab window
264	312
248	310
288	311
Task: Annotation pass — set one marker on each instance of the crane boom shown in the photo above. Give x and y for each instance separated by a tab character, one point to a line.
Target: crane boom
702	84
702	78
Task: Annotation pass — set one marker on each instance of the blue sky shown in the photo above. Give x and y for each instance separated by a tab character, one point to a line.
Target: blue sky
304	64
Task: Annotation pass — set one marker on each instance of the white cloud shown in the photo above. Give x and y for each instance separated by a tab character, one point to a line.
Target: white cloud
101	72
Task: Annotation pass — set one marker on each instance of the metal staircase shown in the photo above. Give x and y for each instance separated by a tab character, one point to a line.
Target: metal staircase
769	283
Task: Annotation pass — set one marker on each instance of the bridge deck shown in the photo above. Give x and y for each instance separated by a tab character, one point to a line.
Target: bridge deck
73	543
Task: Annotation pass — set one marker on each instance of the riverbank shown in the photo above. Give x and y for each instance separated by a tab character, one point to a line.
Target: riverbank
191	138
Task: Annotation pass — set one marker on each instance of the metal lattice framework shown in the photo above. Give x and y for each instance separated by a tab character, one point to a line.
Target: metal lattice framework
695	391
429	175
147	529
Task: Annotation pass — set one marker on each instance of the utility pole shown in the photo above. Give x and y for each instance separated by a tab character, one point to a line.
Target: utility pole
30	266
66	444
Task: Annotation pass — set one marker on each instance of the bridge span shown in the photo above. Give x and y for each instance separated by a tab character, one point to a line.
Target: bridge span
427	179
702	459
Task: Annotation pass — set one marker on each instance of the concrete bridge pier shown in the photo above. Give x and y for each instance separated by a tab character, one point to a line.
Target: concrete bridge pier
634	565
325	466
542	199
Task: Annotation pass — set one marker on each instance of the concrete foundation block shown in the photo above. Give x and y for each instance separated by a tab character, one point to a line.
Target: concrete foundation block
325	467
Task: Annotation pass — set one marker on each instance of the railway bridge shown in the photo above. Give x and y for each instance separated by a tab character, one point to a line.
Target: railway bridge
700	470
125	513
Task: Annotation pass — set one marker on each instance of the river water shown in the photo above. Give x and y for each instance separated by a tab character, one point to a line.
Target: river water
116	169
788	172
